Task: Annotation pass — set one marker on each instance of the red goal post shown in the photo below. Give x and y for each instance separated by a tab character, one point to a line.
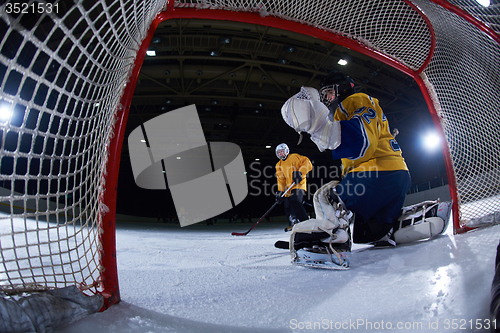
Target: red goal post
69	104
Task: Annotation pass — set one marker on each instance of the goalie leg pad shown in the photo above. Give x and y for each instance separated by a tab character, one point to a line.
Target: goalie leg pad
432	226
421	221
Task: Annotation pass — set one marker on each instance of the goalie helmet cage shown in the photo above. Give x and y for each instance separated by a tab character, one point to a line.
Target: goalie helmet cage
68	75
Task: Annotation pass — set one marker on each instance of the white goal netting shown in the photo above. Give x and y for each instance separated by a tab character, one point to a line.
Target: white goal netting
465	75
63	68
63	74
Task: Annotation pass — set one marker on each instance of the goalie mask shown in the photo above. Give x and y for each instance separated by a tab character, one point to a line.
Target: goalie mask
334	89
282	151
304	112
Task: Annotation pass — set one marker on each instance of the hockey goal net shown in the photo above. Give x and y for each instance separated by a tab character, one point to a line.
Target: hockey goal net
64	67
68	72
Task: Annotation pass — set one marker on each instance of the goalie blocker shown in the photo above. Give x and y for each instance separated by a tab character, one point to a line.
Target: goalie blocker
325	242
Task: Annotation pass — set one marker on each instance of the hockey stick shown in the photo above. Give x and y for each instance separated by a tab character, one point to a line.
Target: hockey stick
245	233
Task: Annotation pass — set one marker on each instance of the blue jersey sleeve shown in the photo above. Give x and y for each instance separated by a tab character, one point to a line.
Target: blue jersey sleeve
354	140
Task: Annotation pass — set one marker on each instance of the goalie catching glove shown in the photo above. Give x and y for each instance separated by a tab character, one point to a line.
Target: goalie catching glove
305	112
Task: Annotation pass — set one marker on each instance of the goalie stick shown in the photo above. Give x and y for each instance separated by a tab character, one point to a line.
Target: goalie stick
282	245
285	245
246	233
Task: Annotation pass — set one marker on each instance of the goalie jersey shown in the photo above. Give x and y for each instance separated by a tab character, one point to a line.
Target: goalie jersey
366	140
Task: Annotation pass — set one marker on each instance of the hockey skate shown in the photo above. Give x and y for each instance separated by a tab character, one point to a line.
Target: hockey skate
292	220
372	232
324	253
386	241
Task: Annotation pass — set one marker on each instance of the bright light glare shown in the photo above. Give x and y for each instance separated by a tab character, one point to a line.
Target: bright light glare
484	3
431	141
4	113
342	62
151	53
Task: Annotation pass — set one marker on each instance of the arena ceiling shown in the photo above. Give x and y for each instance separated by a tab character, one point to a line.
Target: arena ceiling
239	75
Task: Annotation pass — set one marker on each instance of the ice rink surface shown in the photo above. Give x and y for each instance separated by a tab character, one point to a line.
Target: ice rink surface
202	279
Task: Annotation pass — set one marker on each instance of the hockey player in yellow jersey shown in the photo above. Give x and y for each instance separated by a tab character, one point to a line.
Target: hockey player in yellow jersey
375	176
289	169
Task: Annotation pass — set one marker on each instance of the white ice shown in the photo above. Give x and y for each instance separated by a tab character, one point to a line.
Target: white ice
203	279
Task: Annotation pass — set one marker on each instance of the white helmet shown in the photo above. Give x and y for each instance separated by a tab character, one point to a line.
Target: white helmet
282	151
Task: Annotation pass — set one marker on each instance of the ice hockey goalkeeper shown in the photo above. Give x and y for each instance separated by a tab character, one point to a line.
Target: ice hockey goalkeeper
375	176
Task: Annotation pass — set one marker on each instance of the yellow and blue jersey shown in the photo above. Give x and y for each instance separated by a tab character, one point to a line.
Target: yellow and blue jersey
366	140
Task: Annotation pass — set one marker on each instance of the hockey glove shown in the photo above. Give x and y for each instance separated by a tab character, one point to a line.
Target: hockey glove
297	177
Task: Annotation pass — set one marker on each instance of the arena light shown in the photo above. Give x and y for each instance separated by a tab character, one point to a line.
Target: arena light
342	62
484	3
431	141
5	111
215	53
151	53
